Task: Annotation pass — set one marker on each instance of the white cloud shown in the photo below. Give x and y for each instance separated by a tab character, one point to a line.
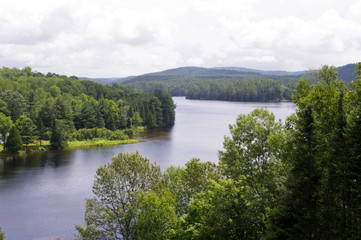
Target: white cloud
119	38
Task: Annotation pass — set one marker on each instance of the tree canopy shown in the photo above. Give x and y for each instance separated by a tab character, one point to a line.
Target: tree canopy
295	180
36	103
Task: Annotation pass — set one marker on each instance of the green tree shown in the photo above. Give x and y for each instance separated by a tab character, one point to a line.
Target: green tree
250	154
137	120
27	130
54	91
302	199
59	135
314	206
88	114
13	143
185	183
351	187
150	121
157	218
15	102
4	108
167	106
220	211
5	126
112	213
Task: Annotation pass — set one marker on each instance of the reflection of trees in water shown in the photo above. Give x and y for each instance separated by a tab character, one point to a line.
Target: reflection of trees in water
154	134
10	166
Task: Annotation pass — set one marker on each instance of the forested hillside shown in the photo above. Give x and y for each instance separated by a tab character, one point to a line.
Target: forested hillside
233	84
60	108
295	180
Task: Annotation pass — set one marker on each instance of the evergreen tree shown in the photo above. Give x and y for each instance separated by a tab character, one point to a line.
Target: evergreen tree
27	130
150	121
58	138
13	143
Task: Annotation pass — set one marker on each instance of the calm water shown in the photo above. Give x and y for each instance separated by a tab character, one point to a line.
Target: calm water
44	194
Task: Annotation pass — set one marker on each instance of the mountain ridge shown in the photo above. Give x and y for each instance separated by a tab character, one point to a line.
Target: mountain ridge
345	72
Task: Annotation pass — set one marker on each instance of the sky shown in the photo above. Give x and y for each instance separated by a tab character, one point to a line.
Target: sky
119	38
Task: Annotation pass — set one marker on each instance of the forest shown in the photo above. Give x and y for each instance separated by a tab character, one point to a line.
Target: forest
35	108
216	84
300	179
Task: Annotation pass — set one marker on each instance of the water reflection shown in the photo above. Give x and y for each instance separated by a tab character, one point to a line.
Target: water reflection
11	166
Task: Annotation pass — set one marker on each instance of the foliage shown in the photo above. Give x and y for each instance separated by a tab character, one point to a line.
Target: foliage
216	84
318	203
220	211
112	213
250	155
27	130
34	99
298	180
5	126
156	218
102	133
184	183
13	143
59	135
2	235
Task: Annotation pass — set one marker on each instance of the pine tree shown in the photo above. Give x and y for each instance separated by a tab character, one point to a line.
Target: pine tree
58	135
13	143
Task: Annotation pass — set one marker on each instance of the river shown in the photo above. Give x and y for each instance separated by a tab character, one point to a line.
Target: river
43	195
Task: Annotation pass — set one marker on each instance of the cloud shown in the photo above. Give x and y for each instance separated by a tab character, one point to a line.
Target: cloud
118	38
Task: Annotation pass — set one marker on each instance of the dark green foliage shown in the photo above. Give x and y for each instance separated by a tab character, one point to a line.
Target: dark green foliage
87	134
301	202
321	200
13	143
45	99
27	130
168	107
59	135
220	211
232	84
254	90
15	103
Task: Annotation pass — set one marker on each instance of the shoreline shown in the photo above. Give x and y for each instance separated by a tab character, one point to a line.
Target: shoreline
93	143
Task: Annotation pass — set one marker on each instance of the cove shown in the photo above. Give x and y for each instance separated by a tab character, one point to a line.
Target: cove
44	194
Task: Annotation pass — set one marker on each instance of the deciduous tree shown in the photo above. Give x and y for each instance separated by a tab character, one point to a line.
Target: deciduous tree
112	213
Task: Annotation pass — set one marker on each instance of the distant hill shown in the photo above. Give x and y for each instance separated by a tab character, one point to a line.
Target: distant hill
222	83
105	81
347	72
221	72
262	72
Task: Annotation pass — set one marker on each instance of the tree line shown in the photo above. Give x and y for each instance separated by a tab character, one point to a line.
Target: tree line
242	87
248	90
295	180
34	106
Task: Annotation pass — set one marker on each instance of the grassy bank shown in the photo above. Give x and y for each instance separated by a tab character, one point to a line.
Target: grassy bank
98	143
45	145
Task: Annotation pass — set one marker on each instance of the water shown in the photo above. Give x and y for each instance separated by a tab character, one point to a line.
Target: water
44	194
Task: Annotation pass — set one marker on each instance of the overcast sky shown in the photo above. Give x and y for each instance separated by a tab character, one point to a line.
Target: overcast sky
117	38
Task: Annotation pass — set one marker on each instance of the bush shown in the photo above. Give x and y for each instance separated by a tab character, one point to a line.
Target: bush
100	133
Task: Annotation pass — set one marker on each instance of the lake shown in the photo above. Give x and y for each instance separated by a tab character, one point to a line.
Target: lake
43	195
